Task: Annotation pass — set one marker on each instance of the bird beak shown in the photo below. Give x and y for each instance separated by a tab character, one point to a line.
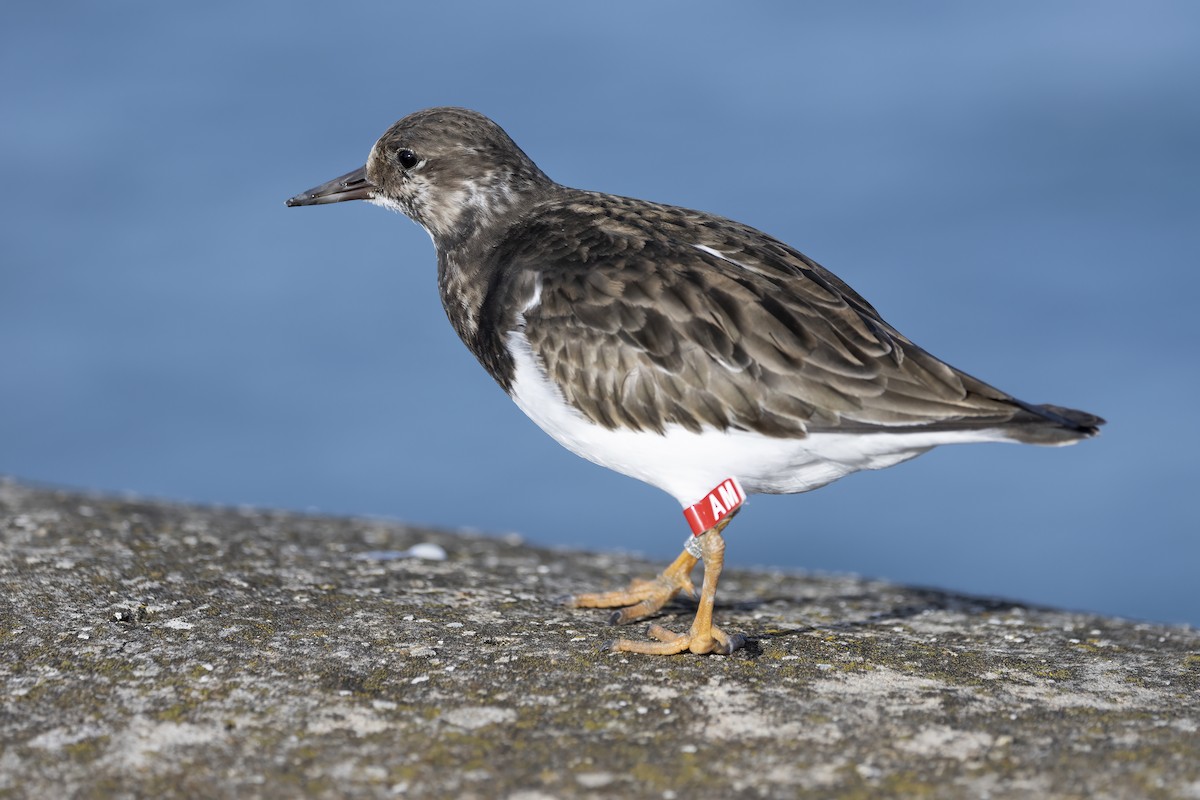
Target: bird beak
351	186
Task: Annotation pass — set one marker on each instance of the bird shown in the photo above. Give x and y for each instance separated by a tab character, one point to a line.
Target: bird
686	350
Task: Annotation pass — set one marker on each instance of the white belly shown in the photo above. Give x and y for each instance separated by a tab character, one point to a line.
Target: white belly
687	465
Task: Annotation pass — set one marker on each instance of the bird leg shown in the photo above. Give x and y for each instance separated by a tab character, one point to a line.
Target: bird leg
703	637
643	597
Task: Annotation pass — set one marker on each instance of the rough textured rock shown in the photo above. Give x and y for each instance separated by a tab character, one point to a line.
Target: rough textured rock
149	649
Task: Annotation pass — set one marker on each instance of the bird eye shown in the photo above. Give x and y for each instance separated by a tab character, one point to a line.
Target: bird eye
408	159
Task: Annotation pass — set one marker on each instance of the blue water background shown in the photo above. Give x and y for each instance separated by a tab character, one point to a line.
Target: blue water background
1014	185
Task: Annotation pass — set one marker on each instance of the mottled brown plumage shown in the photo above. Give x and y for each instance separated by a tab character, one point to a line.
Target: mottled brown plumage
641	328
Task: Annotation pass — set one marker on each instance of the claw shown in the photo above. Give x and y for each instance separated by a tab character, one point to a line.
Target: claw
734	642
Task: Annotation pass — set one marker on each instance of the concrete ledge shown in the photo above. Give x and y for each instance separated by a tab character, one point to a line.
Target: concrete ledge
162	650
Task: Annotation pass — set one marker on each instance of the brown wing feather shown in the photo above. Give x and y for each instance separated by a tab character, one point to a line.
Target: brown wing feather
641	328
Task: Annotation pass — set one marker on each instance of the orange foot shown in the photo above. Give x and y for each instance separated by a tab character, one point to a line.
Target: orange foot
714	640
643	598
648	597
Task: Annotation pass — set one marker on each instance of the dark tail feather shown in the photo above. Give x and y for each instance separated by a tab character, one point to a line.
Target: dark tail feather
1085	423
1050	424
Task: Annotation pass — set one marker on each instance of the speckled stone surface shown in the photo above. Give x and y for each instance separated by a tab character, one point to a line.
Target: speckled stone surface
149	649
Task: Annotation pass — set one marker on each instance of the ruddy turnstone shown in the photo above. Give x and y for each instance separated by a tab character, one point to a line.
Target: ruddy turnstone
688	351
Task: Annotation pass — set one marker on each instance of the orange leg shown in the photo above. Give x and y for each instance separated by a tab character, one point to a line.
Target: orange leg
703	637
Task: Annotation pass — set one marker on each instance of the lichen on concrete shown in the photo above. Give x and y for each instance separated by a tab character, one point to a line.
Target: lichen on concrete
151	649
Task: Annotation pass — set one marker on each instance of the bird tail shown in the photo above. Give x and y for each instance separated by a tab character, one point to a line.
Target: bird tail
1051	425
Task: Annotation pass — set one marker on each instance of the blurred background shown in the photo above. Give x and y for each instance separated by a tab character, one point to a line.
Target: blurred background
1014	186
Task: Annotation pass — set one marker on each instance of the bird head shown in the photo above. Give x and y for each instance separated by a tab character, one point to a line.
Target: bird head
451	170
